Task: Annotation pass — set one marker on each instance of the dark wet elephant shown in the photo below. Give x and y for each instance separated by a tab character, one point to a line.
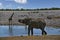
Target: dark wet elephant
33	24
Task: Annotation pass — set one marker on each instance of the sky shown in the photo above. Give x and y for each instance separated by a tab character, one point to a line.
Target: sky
27	4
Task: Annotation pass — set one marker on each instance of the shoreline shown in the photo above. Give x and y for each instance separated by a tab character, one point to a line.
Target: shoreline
43	37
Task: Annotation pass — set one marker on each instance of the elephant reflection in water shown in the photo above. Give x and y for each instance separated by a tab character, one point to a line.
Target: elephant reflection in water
33	24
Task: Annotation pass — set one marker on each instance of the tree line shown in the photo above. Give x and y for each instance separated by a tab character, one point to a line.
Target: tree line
29	9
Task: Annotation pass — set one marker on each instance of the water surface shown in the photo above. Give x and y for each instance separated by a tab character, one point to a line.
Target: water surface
21	31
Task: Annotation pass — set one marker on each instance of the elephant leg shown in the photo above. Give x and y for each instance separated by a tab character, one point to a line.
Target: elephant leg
28	31
44	32
31	31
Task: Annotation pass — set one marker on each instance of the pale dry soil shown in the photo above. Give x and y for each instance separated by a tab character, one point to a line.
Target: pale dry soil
44	37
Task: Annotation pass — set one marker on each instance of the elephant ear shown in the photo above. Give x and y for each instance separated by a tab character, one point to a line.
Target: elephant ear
27	20
19	20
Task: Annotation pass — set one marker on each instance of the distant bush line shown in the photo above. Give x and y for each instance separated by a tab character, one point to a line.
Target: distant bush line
29	9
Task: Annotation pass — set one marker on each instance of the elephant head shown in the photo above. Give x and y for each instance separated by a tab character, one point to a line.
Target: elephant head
25	21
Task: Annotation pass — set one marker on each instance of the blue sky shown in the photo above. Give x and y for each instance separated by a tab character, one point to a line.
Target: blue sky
29	4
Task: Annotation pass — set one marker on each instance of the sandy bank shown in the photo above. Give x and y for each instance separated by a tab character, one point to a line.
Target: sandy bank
49	37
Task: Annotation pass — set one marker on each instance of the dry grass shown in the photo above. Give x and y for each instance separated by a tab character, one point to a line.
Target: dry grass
49	37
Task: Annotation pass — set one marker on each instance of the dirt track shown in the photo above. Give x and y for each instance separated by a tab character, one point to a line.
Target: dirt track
49	37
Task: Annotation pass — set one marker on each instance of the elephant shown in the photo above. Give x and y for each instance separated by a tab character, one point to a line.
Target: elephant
33	24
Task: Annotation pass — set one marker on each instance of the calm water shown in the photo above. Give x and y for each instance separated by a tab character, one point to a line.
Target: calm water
20	30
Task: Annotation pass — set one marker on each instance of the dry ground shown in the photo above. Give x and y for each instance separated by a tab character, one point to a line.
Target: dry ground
48	37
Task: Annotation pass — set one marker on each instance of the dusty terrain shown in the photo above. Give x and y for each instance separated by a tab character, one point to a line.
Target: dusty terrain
4	16
48	37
